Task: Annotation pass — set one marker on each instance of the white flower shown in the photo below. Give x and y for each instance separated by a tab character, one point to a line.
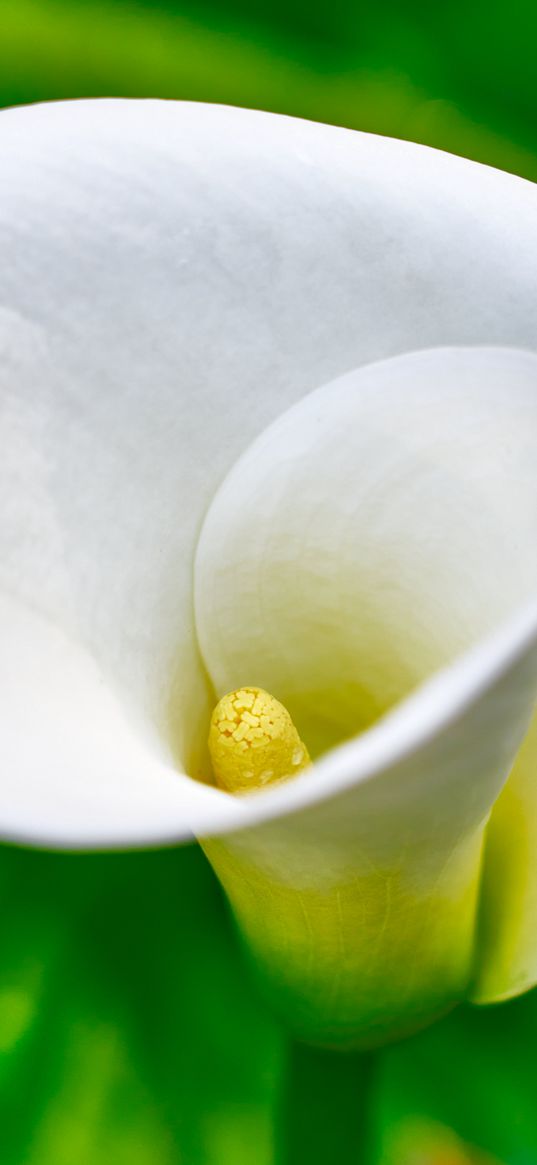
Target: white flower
175	277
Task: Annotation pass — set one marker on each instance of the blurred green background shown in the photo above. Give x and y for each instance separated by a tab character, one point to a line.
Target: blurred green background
129	1033
455	74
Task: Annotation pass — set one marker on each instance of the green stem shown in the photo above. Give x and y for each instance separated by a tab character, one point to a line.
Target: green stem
325	1112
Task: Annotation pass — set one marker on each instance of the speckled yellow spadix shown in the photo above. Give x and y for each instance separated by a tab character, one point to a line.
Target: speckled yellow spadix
253	742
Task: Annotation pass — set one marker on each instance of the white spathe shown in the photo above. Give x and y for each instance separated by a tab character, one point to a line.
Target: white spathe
372	536
173	277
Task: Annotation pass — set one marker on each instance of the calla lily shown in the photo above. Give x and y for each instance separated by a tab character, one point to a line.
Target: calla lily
345	326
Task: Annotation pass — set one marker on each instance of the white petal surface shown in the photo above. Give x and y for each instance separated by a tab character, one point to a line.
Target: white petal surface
172	277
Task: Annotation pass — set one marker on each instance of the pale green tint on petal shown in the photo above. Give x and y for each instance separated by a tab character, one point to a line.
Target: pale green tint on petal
359	911
371	537
507	952
172	278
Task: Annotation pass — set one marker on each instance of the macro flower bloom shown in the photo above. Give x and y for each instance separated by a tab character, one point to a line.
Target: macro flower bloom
269	397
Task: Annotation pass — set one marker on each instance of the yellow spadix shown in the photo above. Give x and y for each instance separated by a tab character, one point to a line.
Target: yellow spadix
253	741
